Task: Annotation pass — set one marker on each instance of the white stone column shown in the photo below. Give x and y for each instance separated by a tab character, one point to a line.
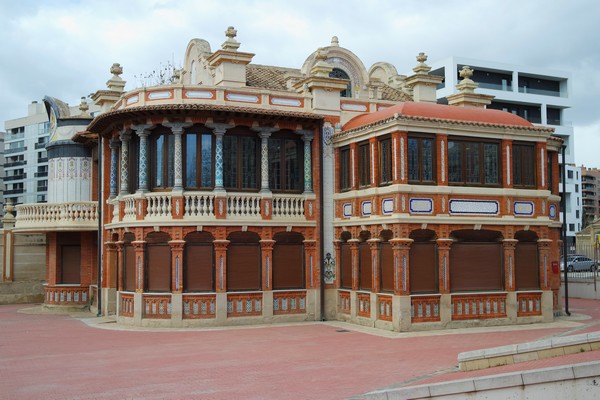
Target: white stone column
177	129
219	130
143	131
264	133
125	136
114	158
307	136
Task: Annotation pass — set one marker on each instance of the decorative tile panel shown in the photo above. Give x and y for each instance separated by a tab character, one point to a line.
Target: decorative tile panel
387	206
420	206
473	207
199	94
347	208
366	208
353	107
552	211
160	95
523	208
246	98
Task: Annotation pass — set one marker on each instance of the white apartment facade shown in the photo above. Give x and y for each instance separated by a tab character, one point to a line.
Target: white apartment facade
26	161
542	96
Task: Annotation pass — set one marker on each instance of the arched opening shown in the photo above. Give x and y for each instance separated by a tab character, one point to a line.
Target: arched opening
243	261
198	263
288	261
423	263
158	262
476	261
341	74
527	271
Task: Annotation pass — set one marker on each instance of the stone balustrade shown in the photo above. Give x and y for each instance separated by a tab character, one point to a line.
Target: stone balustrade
75	216
207	207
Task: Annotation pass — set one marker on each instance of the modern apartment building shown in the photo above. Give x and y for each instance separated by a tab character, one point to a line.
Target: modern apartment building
2	134
590	194
541	96
26	161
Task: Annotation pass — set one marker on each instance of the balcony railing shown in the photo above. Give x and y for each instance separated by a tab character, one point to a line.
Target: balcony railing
78	215
211	206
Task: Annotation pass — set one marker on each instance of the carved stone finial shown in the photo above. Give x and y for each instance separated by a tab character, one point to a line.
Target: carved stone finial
231	44
466	72
321	54
421	67
335	41
116	70
8	208
83	106
321	68
231	32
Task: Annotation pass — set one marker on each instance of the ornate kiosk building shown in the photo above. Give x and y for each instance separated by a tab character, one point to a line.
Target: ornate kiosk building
242	194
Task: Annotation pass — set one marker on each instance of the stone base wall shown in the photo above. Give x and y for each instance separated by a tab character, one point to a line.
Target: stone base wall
21	292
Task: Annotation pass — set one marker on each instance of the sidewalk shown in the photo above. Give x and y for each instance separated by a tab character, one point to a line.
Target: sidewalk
63	357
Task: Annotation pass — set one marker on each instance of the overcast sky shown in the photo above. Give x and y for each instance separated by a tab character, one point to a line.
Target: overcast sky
65	48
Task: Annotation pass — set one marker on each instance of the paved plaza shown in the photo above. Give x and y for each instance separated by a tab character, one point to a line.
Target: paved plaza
54	356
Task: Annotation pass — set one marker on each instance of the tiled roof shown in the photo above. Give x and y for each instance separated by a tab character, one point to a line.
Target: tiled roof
441	112
268	77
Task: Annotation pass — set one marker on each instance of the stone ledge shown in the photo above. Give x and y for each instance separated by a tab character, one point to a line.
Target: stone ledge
465	386
480	359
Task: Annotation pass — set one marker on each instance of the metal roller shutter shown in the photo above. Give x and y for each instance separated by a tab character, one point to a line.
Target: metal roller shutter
423	268
476	267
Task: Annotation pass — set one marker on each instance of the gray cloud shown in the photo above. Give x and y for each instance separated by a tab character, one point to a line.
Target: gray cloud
65	48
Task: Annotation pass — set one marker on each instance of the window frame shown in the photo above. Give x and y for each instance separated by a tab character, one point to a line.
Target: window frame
364	164
463	161
519	178
385	167
283	181
420	138
239	161
199	177
163	158
345	171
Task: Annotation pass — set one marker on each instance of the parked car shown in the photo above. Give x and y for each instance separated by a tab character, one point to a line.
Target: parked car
579	263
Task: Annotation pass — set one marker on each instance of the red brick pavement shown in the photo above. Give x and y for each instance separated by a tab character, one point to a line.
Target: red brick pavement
59	357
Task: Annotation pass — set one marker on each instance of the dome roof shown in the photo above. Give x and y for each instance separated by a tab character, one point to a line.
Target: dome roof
440	112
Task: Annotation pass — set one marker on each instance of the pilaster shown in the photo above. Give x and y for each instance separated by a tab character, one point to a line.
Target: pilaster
221	265
444	264
401	252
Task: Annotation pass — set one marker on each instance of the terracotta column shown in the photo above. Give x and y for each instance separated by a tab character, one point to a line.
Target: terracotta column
221	265
544	249
375	275
338	257
401	251
120	247
266	251
354	251
311	267
509	264
444	264
140	262
177	265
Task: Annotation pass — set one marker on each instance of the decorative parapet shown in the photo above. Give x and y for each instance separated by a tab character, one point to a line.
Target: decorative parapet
73	216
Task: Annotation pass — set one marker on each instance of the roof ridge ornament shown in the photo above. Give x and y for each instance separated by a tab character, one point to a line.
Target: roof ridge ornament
335	42
231	44
421	67
466	85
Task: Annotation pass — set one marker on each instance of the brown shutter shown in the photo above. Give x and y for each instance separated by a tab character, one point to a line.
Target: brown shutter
476	267
365	275
243	266
129	269
288	266
70	264
159	268
346	266
527	274
423	268
198	271
387	267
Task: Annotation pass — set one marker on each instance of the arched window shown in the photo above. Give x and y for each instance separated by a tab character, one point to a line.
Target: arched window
341	74
288	261
241	164
198	270
423	266
158	262
243	261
